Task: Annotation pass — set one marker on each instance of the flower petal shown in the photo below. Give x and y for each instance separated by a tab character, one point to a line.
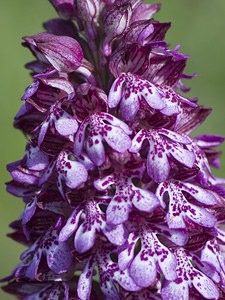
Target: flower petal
175	291
84	238
32	269
143	270
127	252
117	122
70	226
59	83
36	159
185	157
200	216
137	141
115	92
202	195
73	172
59	258
129	107
85	281
43	130
95	150
115	234
205	286
174	136
158	166
66	125
79	139
63	52
144	200
167	263
117	139
126	281
117	211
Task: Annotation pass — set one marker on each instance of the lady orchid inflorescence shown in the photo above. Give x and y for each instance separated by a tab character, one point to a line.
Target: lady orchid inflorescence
120	200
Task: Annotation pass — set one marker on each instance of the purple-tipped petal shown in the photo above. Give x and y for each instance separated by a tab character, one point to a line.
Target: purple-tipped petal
29	211
24	177
167	263
117	122
30	90
201	216
202	195
61	84
125	280
129	108
174	136
211	254
32	269
63	53
144	11
42	132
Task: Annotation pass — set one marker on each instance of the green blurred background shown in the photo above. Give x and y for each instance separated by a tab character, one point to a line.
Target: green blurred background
198	25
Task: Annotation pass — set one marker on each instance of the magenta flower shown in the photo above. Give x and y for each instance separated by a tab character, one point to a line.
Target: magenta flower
120	200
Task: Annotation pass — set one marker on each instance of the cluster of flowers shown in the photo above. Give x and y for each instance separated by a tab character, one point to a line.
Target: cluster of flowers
120	201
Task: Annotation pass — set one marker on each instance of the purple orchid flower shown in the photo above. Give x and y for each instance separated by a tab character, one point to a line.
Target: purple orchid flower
66	167
131	89
157	256
94	221
163	144
120	199
189	278
57	256
126	196
63	123
103	127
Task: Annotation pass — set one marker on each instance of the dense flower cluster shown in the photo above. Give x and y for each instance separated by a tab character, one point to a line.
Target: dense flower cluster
120	200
